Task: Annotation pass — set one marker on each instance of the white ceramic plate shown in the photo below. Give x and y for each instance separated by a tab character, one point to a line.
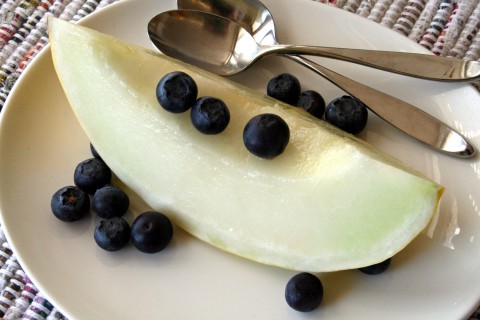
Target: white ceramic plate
436	277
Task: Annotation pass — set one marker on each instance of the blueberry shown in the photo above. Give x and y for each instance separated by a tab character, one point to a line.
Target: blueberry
151	232
284	87
304	292
112	234
210	115
348	114
266	135
94	152
70	204
92	174
109	202
376	268
177	92
312	102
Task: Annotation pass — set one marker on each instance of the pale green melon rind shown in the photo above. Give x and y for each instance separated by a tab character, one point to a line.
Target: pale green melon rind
368	206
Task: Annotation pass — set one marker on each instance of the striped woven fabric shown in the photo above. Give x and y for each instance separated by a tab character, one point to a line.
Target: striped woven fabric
445	27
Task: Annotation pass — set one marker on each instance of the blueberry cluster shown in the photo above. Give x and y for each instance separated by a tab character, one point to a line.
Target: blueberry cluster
177	92
286	88
345	112
265	136
150	231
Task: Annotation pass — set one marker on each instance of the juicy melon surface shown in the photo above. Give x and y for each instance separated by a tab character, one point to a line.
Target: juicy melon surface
329	202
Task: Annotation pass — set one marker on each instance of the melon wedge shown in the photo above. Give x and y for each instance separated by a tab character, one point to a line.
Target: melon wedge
329	202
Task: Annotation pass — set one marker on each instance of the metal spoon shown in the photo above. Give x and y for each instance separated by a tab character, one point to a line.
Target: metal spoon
232	49
402	115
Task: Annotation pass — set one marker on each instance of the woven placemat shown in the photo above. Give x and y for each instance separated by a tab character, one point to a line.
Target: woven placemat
445	27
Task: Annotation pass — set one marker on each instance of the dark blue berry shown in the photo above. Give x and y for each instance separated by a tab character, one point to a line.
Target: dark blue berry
112	234
210	115
177	92
376	268
284	87
304	292
151	232
92	174
266	135
109	202
312	102
94	152
348	114
70	204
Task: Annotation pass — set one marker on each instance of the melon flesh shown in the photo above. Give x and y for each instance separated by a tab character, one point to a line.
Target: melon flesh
329	202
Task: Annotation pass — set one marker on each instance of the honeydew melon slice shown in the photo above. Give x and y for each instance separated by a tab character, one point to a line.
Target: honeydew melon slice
329	202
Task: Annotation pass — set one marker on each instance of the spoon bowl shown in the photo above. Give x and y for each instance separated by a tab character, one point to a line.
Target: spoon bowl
207	41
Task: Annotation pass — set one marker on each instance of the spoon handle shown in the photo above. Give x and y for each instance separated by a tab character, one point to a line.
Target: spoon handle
424	66
405	117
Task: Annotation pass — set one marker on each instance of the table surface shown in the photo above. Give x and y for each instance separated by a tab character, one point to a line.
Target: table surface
445	27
